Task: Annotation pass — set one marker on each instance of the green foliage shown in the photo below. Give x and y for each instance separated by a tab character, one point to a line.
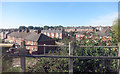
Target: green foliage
30	27
116	28
72	34
15	69
80	65
46	27
22	27
37	28
56	39
51	64
6	60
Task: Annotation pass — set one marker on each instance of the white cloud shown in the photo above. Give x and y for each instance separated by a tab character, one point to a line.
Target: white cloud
106	20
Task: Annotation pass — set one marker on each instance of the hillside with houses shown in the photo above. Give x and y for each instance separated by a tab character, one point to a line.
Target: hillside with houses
59	35
52	35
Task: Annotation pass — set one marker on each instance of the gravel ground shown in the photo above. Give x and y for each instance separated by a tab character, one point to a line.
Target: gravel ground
16	62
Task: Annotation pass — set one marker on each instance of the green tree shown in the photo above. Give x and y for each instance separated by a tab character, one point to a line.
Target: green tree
116	28
37	28
46	27
72	34
22	27
30	27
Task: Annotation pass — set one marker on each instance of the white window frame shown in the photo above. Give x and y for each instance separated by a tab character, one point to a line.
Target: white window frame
81	35
27	42
52	34
57	35
45	33
32	42
48	34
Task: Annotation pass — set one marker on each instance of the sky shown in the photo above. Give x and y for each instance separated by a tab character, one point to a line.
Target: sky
15	14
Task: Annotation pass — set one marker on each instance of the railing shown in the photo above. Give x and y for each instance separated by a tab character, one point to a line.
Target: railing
71	57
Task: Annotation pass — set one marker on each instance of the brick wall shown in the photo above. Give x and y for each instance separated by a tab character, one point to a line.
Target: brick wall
54	35
41	48
38	49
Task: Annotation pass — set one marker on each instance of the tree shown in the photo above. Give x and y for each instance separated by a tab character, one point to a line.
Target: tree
46	27
72	34
37	28
51	27
30	27
22	27
80	65
116	28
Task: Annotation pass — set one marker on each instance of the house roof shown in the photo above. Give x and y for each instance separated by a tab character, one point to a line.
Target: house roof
81	32
84	27
103	32
32	36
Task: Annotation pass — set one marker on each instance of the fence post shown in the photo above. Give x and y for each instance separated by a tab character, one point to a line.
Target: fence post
71	59
119	59
44	49
22	59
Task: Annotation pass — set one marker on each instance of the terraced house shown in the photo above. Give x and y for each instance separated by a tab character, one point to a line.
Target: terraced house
32	38
54	33
84	28
69	29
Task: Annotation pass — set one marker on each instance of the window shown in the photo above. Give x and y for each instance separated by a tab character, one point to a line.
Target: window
27	47
48	34
27	42
53	35
32	43
45	33
81	35
57	35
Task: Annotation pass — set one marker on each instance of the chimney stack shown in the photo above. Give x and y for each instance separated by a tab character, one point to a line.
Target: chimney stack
19	30
27	30
37	31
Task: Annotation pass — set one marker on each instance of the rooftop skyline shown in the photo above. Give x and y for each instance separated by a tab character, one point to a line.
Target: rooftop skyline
15	14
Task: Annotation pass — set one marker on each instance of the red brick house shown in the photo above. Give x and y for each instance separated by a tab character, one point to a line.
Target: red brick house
69	29
32	38
80	34
84	28
5	32
54	33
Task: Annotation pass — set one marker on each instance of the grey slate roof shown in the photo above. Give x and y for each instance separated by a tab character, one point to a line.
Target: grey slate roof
84	27
103	32
32	36
81	32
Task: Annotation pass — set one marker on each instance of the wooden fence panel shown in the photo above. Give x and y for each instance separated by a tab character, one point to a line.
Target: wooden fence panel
23	59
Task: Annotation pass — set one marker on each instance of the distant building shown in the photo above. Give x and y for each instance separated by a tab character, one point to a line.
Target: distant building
80	34
8	30
32	38
104	33
69	29
80	28
5	32
3	35
54	33
84	28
